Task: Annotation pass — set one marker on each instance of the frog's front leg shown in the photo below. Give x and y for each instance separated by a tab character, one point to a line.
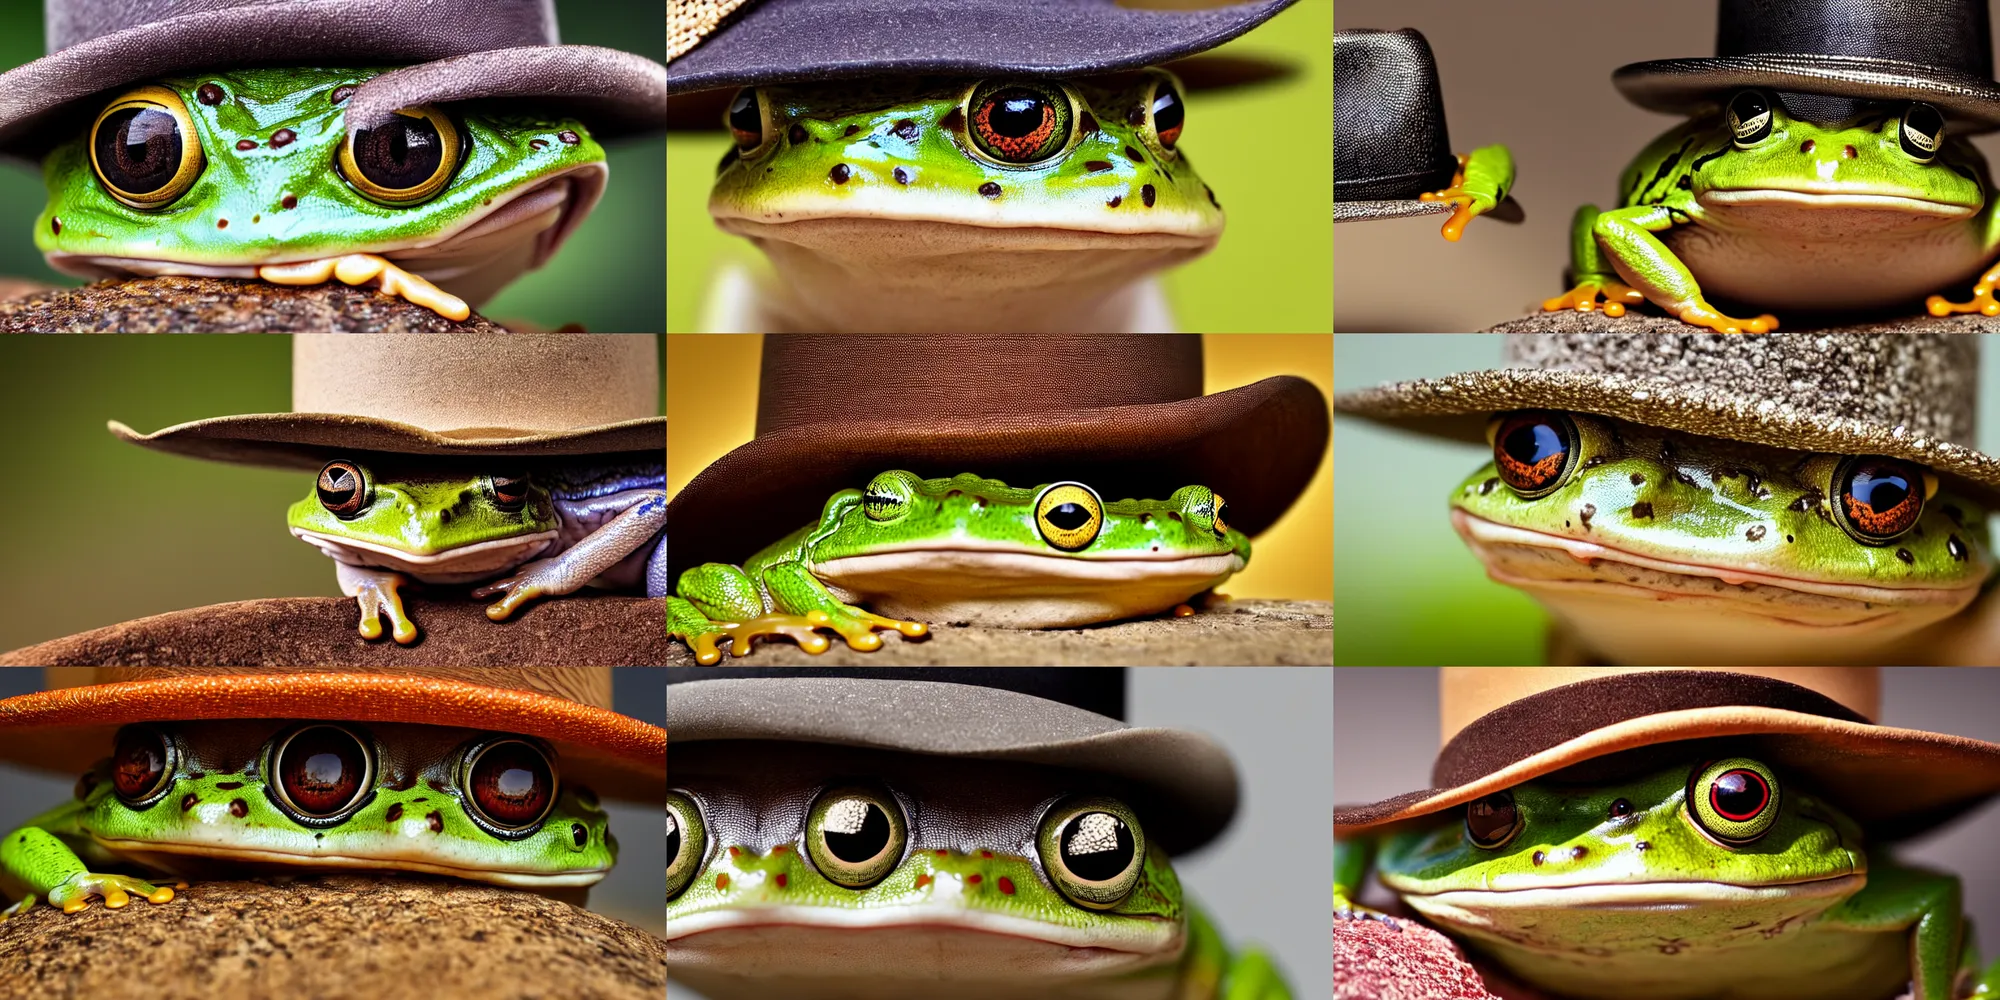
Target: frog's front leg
1252	976
378	592
1626	242
577	565
1352	857
1484	177
37	859
1929	904
794	589
719	601
361	268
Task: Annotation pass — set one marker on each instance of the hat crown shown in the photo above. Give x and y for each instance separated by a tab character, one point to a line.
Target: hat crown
475	25
1942	34
1390	139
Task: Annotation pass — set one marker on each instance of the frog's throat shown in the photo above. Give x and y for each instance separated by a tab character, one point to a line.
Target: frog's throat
159	855
457	564
1002	587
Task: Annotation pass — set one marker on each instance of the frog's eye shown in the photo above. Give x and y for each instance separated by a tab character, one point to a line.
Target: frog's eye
1093	850
749	123
510	493
1734	800
1166	112
855	835
510	785
405	162
321	773
888	495
1221	515
1878	499
343	489
1019	123
1492	821
142	765
1069	515
1534	450
687	843
144	148
1750	117
1922	131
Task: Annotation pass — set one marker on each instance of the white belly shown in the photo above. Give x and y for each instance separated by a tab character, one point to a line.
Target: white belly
1789	257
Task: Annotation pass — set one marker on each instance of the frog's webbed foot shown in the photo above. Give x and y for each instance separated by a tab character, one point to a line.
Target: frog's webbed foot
1583	298
117	890
1469	199
853	624
23	906
858	627
1700	313
361	268
539	578
1982	302
377	592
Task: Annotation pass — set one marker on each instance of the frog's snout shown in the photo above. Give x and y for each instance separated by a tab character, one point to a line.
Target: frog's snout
1560	855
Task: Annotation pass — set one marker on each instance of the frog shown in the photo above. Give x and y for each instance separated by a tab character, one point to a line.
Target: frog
252	173
178	800
797	871
1717	875
960	549
386	520
1648	544
1481	183
1012	204
1792	201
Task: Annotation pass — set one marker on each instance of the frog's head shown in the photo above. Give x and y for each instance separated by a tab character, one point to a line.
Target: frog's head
491	807
967	548
1646	539
441	528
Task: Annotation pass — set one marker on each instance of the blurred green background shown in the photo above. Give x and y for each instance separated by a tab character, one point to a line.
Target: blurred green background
112	531
605	277
1408	590
1267	151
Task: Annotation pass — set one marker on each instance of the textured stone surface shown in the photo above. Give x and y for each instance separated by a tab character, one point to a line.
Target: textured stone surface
375	936
1232	633
584	630
1387	958
176	304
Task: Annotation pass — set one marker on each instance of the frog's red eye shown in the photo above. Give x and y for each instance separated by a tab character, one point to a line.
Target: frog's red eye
343	489
321	773
1878	499
1492	821
140	764
1168	113
510	785
1735	800
1534	451
1019	122
510	493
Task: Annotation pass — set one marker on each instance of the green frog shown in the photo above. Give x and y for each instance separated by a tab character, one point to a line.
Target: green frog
1650	545
192	798
1716	879
922	203
963	549
1794	202
251	173
835	874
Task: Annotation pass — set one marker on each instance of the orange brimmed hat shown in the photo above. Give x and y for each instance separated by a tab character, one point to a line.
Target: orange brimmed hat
1503	726
69	726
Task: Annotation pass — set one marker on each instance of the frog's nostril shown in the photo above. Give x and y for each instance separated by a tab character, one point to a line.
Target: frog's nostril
1848	152
1806	146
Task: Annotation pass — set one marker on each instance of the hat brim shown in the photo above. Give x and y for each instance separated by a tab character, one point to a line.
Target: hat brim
1683	86
1508	210
67	729
1184	783
310	440
1258	445
1456	406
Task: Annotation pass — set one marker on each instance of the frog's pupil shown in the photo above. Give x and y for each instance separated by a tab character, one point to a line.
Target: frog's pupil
139	149
1620	807
1168	115
673	839
1097	846
400	155
1739	795
1017	114
1069	516
1529	444
744	119
861	840
1488	820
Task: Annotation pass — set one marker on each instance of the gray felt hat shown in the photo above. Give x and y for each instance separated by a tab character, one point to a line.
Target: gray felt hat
1909	395
455	50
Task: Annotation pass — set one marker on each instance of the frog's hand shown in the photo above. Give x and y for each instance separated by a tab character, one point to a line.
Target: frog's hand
40	860
719	601
1352	857
1982	298
1625	241
1484	177
1251	976
378	592
794	590
1593	273
577	565
361	268
1928	904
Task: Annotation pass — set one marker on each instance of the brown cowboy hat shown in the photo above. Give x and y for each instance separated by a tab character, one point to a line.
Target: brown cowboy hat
1124	414
1503	726
466	395
69	726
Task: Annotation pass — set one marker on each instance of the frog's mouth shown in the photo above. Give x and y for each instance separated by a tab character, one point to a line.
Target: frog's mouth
458	564
1003	586
163	857
1835	196
1641	896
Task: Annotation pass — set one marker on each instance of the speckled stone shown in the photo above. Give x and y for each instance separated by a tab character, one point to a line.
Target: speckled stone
177	304
1364	211
1395	958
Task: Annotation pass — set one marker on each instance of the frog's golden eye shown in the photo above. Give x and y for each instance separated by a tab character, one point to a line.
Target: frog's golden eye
343	489
1093	850
687	843
888	495
1750	117
1166	112
1878	499
1492	821
749	120
1069	515
1019	122
142	765
1221	515
144	148
321	773
1922	131
1734	800
405	162
856	835
1534	451
510	493
510	785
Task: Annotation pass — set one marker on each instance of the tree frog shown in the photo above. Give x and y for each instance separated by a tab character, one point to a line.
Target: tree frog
919	203
1650	545
191	798
251	173
1717	879
832	872
385	520
1484	178
963	549
1792	201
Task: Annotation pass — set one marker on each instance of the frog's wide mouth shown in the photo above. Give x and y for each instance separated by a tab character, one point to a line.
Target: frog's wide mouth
497	874
1835	196
1665	894
1117	935
469	561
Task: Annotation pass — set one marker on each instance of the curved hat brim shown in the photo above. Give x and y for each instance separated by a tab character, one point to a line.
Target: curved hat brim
1508	210
1184	783
310	440
67	729
1257	445
1681	86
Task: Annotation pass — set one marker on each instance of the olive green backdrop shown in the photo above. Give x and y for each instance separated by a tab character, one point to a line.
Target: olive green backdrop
605	277
1267	151
110	531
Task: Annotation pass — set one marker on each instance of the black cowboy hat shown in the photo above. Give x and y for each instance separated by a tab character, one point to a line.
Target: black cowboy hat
1390	143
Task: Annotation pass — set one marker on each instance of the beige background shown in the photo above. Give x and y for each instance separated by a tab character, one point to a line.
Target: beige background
1536	75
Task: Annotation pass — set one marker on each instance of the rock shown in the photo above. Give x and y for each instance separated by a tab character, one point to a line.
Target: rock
1377	957
581	630
378	936
1648	319
14	288
1239	633
175	304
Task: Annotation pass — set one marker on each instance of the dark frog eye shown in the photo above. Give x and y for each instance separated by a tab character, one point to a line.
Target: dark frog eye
1750	117
687	842
1093	850
1167	112
510	784
1734	800
320	773
1534	450
1221	515
404	162
1878	499
343	489
1492	821
855	836
1069	515
141	764
1019	122
1922	131
510	493
144	148
746	119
